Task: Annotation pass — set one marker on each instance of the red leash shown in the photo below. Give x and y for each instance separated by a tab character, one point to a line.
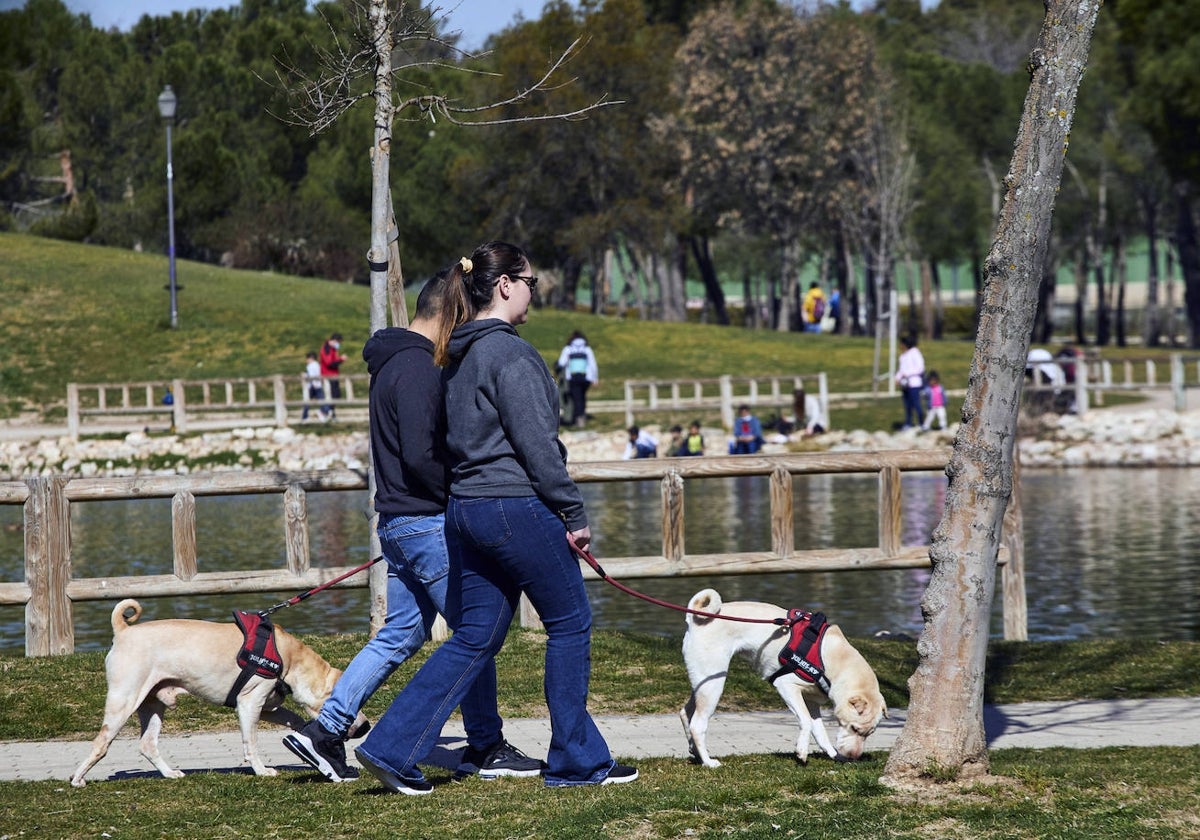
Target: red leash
591	561
296	599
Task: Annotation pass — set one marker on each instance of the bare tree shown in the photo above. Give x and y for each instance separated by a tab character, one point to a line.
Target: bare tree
377	33
944	731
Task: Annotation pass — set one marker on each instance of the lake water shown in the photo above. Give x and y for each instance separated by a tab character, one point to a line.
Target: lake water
1108	552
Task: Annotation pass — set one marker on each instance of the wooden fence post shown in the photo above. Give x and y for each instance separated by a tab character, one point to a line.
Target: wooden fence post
1012	574
179	407
783	536
727	401
823	398
672	507
295	514
628	403
1178	383
73	411
281	414
889	510
49	622
183	534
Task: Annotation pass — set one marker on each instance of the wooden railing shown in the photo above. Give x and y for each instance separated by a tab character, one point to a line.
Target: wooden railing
264	400
1095	377
724	393
49	589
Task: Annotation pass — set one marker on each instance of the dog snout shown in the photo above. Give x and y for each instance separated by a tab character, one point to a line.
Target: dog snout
850	744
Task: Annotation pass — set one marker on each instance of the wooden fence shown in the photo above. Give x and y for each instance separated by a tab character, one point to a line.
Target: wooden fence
272	400
49	588
724	393
1095	377
260	400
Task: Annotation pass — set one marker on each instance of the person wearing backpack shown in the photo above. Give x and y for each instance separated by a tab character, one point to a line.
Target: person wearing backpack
579	365
814	307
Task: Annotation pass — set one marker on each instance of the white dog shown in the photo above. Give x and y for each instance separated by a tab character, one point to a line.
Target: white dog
710	644
151	664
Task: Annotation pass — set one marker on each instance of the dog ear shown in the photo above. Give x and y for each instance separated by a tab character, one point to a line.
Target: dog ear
858	703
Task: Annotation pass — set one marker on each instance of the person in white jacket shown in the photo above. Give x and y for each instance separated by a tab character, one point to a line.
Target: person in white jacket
910	376
577	363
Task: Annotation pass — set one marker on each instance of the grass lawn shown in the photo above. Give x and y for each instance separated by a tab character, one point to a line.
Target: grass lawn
1057	793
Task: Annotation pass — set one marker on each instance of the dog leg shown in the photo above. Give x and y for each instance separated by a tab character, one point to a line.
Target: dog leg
818	729
808	716
696	714
116	712
250	709
150	715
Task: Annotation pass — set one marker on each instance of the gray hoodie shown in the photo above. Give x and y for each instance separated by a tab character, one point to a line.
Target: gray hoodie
502	421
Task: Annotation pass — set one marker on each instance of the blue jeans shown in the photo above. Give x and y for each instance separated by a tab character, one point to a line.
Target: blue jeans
913	413
502	547
418	567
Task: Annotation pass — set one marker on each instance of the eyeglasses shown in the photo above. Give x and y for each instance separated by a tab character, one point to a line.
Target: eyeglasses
529	280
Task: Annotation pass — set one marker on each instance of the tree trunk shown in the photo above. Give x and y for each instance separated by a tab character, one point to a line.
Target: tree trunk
1119	277
702	251
944	730
1189	264
378	257
1150	325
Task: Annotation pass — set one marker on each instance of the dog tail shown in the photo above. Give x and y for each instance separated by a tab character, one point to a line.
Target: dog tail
706	600
119	621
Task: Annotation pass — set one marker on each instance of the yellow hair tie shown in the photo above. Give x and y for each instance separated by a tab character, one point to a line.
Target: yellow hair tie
466	264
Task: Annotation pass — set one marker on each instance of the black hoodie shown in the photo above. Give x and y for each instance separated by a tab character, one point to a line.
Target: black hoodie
502	410
408	425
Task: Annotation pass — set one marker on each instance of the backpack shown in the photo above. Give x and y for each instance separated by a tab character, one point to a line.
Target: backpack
818	310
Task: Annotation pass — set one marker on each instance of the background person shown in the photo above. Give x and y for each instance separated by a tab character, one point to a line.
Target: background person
693	444
814	307
937	403
910	376
511	510
578	363
747	433
641	444
408	429
313	389
331	358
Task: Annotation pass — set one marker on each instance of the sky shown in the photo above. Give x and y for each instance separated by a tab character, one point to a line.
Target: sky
476	18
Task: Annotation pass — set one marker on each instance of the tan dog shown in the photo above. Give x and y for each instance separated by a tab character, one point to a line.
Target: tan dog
710	643
151	664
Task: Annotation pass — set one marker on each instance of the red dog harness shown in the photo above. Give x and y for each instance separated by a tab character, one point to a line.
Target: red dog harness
801	654
258	655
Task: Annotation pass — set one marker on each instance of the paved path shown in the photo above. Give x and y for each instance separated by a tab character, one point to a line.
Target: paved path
1090	724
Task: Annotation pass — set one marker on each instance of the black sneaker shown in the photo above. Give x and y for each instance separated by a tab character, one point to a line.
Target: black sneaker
501	760
394	783
320	749
620	774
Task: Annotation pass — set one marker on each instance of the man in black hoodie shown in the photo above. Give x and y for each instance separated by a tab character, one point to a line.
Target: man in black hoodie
407	441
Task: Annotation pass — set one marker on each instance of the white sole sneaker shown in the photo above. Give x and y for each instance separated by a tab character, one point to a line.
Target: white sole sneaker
394	783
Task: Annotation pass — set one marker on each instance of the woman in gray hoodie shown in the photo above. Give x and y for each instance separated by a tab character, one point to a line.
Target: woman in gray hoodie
511	510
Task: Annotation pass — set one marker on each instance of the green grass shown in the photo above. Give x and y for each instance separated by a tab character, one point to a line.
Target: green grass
1058	793
1098	794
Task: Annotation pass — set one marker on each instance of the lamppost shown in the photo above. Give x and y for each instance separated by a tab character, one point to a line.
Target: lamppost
166	107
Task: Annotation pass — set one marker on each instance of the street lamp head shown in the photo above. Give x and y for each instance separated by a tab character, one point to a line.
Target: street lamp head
166	103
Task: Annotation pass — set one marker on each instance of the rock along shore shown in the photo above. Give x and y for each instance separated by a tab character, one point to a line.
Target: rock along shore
1129	436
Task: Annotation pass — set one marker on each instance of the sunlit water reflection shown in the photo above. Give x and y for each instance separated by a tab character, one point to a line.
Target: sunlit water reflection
1108	552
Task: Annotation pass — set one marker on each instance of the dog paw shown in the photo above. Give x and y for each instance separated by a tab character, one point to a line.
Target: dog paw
267	771
841	759
173	774
712	762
